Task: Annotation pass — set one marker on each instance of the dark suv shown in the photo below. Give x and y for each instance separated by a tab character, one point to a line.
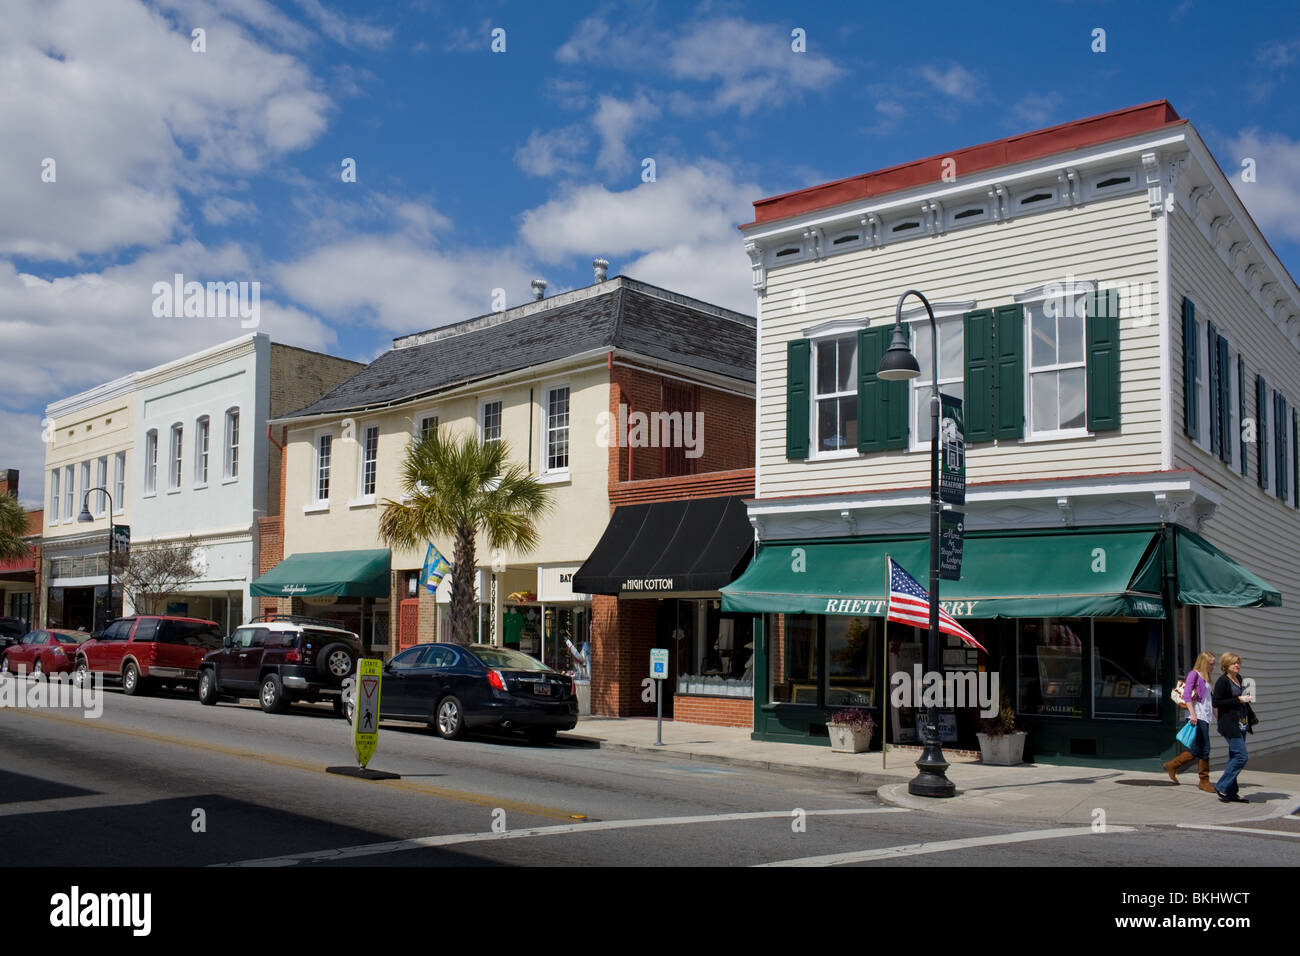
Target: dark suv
280	659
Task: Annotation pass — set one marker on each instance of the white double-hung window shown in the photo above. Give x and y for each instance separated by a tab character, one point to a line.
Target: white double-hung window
490	421
54	496
201	429
952	368
68	494
1056	402
835	393
230	447
101	481
174	457
151	461
555	429
119	482
324	452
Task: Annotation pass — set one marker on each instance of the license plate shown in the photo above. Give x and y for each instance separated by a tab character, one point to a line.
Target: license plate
543	689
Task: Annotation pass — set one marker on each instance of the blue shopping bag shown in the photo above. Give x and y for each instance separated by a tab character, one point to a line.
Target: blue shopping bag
1187	734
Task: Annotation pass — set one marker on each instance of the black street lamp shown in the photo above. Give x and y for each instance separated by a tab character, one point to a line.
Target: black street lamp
86	517
899	364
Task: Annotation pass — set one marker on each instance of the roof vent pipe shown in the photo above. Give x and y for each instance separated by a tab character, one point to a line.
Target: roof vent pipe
539	289
601	267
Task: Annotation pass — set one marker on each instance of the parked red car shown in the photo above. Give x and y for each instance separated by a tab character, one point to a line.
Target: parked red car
43	652
147	650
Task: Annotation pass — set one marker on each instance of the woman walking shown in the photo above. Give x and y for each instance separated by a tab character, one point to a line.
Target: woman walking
1235	719
1200	708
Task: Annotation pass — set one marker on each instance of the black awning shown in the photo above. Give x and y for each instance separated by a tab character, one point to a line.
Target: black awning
696	545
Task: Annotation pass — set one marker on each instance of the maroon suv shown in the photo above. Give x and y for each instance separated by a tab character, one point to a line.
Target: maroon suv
147	650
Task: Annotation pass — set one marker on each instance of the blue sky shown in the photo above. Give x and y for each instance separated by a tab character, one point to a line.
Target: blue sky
479	170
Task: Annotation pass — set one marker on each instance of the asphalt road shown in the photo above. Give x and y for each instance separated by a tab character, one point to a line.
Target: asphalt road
163	781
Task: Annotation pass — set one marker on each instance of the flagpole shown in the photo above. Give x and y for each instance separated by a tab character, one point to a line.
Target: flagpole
884	700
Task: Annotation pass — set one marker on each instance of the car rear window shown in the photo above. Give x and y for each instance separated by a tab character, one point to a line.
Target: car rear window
321	638
64	638
502	657
193	633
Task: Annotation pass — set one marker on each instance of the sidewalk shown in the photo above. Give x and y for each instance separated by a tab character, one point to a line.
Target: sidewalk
1034	793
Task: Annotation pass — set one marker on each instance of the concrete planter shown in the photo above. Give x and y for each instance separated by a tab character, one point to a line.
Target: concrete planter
846	740
1004	750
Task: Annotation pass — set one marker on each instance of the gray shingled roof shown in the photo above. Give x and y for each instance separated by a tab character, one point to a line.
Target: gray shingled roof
619	313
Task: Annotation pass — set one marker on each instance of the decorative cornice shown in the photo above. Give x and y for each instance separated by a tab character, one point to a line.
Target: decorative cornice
759	274
1154	183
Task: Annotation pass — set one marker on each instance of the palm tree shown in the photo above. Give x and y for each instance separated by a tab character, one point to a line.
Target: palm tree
461	487
13	525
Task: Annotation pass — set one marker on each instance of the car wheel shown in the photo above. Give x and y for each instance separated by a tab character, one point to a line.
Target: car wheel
208	687
38	670
450	719
337	661
132	682
541	735
81	676
271	696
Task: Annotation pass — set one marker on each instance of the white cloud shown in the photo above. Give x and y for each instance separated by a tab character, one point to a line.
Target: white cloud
113	93
678	232
1037	109
956	82
399	284
614	121
220	210
751	66
546	154
348	32
1273	199
21	448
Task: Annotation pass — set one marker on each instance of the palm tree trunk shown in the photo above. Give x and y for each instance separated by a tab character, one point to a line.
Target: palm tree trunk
464	608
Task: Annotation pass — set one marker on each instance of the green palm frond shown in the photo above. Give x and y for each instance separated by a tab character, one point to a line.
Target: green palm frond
453	482
13	525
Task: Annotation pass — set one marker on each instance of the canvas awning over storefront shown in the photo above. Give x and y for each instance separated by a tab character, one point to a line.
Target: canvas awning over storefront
343	573
695	545
1082	573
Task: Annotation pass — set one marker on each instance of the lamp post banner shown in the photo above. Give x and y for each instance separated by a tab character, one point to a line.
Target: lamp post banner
122	538
952	532
952	458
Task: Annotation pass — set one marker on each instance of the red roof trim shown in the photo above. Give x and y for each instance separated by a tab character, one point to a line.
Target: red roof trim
973	159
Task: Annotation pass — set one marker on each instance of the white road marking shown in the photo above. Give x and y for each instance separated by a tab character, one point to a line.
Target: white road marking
453	839
918	849
1214	826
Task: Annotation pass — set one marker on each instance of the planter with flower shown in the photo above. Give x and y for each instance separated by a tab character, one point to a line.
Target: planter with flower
1001	743
850	730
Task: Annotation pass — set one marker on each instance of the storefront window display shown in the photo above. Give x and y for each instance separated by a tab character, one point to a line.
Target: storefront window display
1051	666
1126	669
713	652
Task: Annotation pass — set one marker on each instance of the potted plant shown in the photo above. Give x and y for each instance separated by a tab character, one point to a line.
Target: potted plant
1001	743
850	730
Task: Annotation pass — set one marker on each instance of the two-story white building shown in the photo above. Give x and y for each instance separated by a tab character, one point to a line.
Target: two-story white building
1126	346
182	449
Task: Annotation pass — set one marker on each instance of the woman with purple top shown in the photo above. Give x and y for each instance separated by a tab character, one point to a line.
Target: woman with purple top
1235	720
1200	709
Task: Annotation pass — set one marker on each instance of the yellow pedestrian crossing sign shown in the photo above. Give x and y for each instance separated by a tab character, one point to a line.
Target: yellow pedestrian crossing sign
365	710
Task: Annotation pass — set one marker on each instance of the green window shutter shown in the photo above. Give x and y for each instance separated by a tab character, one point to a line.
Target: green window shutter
1241	412
1190	417
1295	460
1279	429
977	331
1261	428
1009	375
1225	401
1212	373
1103	360
872	394
798	373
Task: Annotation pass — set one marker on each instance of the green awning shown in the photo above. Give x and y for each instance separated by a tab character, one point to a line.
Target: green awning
1208	577
1085	573
345	573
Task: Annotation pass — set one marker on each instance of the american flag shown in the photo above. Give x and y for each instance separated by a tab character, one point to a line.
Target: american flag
909	603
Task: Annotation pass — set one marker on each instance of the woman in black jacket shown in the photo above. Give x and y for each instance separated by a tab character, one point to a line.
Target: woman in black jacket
1235	717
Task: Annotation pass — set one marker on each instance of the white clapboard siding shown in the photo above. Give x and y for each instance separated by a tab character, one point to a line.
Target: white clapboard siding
1112	241
1251	524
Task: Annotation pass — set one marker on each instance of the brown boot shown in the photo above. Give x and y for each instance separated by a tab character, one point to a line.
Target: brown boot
1177	764
1203	769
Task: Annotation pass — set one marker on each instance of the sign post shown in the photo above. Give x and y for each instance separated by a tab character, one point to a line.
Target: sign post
365	719
659	671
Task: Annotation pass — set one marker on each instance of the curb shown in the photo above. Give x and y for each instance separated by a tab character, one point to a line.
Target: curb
848	776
